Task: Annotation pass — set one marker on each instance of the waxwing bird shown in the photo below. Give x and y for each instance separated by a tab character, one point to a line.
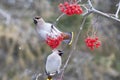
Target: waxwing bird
46	30
53	63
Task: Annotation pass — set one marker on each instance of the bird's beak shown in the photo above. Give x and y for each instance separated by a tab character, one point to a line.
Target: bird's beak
35	21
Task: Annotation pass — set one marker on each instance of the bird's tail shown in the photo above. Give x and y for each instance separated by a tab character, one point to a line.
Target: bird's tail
68	37
49	78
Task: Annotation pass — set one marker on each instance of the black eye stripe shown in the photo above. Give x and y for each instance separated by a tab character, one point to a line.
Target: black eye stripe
59	51
52	26
37	17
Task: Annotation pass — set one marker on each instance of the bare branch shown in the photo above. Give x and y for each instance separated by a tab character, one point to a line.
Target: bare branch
73	47
78	1
118	10
59	17
90	4
91	9
105	15
38	76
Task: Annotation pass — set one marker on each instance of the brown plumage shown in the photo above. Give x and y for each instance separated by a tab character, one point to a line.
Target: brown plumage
66	36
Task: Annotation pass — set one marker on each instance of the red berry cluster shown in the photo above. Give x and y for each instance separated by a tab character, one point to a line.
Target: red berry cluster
70	9
92	42
54	42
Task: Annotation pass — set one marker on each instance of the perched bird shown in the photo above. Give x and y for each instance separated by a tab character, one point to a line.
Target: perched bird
49	33
53	63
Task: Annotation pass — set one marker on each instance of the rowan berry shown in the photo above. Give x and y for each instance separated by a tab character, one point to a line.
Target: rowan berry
70	9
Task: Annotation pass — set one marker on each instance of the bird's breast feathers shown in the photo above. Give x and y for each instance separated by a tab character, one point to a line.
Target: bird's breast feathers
53	63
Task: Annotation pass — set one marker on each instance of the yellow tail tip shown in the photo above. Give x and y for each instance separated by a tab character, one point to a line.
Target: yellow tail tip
71	38
49	79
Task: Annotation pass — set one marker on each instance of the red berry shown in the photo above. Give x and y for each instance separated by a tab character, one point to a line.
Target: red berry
54	42
96	38
67	6
98	43
66	3
77	12
62	9
61	5
81	11
92	42
92	48
70	9
77	6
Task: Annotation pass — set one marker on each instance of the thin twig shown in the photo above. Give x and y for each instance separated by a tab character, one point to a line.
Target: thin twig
95	11
63	14
118	9
78	1
38	76
90	10
58	18
105	15
90	4
73	48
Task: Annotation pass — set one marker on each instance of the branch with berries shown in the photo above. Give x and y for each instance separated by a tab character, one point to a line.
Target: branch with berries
93	41
53	37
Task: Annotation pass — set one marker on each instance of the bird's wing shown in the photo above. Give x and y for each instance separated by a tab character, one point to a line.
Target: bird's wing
55	29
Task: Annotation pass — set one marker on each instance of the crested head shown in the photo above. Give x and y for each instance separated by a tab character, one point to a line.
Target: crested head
38	20
59	52
37	17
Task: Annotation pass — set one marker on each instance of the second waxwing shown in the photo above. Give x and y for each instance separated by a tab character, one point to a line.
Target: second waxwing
53	63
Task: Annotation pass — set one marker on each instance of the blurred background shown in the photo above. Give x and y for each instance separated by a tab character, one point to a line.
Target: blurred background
22	55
